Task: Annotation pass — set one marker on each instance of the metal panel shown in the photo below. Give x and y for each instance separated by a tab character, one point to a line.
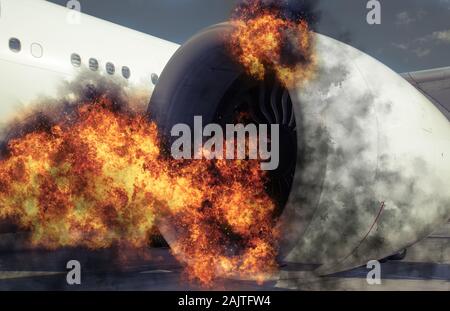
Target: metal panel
435	84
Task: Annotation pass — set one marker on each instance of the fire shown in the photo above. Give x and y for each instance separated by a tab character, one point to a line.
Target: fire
264	41
97	177
81	183
232	232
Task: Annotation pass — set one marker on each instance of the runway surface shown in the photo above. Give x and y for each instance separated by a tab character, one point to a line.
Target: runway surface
426	267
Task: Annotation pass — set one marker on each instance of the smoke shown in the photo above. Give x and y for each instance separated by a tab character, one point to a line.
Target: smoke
87	87
372	197
86	170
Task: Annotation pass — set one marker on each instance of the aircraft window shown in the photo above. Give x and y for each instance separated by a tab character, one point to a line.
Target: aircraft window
126	73
37	50
155	78
110	68
15	45
75	59
93	64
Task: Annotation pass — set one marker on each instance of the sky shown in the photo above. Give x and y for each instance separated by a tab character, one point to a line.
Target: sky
413	34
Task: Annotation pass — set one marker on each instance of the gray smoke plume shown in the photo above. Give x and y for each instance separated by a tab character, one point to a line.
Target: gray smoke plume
362	191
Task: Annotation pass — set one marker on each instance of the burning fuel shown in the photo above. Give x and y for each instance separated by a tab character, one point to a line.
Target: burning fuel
265	41
96	176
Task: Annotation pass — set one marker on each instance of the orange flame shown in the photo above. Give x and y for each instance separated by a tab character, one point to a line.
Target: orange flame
263	42
99	179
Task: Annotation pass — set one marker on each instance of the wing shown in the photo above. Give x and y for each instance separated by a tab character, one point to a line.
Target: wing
435	84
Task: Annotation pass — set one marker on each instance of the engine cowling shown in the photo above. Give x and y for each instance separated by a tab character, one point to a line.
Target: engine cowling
370	174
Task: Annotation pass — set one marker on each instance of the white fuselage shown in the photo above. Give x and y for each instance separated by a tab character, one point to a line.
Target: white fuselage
50	34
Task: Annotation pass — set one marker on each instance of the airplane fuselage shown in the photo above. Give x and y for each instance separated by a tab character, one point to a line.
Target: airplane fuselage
41	46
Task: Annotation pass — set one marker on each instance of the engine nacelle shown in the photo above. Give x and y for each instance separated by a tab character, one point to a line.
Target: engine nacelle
372	153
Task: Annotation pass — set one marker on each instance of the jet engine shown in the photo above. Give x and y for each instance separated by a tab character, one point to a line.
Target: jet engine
364	156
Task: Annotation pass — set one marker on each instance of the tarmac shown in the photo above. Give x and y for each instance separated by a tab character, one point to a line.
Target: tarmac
426	267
